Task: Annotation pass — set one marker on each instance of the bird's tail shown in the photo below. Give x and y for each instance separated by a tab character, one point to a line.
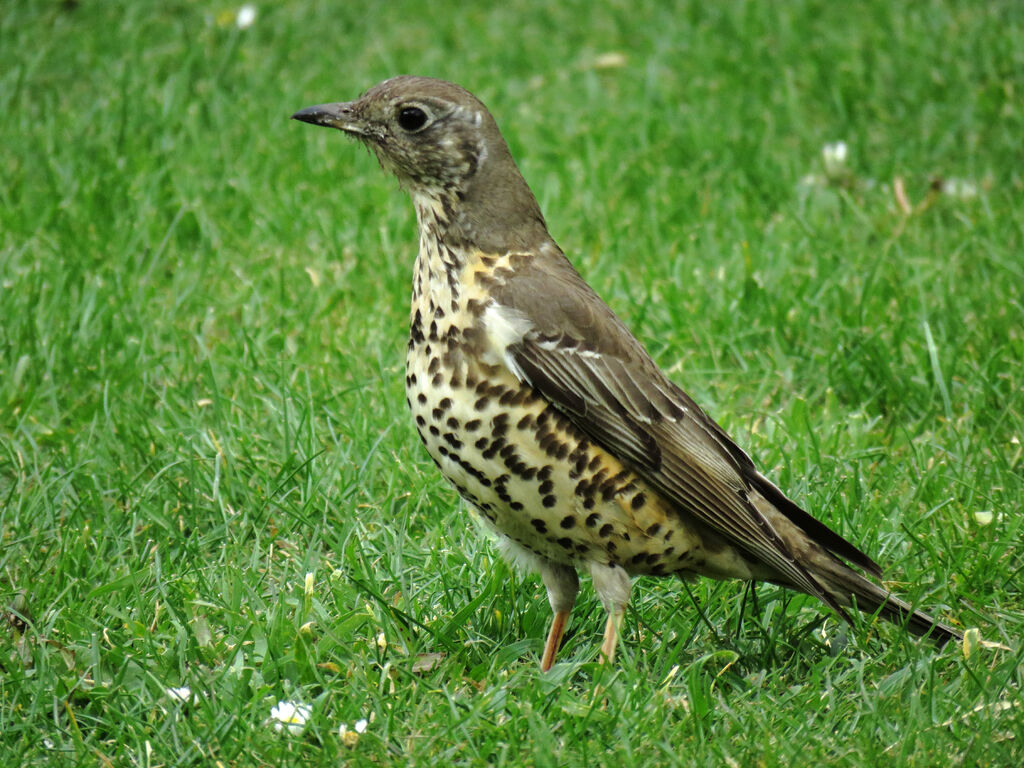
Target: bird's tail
850	589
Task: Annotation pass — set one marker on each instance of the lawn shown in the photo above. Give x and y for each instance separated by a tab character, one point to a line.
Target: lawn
208	479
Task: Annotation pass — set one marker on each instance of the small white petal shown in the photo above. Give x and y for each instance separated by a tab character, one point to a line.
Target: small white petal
983	516
360	726
960	189
182	694
834	156
246	16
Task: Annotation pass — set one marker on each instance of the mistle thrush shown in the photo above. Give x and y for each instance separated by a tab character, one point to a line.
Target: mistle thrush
548	415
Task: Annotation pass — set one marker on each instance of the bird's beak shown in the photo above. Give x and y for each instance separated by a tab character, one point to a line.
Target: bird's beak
341	116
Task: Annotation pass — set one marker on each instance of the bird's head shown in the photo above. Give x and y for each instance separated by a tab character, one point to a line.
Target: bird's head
430	133
446	149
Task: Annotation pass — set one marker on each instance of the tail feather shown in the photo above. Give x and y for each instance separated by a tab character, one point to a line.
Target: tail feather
851	589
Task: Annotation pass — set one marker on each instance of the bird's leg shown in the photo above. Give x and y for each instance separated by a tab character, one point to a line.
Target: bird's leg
611	636
554	641
613	586
562	585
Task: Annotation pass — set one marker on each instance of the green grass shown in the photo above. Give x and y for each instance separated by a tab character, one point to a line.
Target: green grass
202	325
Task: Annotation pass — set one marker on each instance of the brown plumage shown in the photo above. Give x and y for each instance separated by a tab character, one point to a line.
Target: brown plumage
548	415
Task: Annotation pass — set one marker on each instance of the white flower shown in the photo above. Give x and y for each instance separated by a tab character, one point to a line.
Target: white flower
246	16
308	584
292	715
382	642
360	726
182	694
834	155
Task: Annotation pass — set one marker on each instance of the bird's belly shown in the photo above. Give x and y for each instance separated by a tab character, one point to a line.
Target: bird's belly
535	477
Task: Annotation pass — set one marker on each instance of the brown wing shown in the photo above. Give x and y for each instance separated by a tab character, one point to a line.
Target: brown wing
583	359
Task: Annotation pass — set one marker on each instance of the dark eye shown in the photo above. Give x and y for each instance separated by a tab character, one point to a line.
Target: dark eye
411	118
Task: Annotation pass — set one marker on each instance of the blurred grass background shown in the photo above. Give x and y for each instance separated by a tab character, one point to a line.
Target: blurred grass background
202	325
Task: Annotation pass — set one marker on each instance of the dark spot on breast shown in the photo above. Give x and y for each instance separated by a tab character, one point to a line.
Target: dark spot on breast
421	399
452	422
592	520
638	501
568	522
549	501
653	529
473	425
435	431
565	542
544	472
546	487
452	440
589	502
435	365
539	524
606	530
496	446
481	403
525	423
481	443
416	328
420	421
515	506
507	397
437	380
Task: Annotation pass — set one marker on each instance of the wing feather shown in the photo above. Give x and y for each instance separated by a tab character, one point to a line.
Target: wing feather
675	456
580	356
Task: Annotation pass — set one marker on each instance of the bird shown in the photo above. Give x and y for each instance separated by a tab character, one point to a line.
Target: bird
549	416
